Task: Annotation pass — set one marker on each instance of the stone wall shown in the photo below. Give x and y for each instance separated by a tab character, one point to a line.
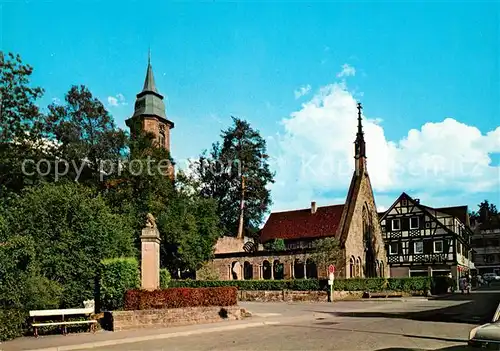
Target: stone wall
162	318
228	244
290	296
400	272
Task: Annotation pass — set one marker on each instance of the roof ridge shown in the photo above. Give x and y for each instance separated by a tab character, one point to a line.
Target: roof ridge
307	208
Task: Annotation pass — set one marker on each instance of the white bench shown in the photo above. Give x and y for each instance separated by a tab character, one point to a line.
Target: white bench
62	313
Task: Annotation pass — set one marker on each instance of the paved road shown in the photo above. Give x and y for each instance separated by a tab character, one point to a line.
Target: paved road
440	324
415	324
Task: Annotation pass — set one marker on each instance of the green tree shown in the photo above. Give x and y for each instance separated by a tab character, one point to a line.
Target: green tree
189	227
275	245
142	185
236	173
487	213
72	229
328	251
87	136
21	125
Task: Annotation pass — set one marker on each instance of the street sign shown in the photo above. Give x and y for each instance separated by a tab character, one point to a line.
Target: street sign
331	268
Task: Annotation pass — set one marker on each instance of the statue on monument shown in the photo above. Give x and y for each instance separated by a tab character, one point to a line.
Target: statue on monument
150	221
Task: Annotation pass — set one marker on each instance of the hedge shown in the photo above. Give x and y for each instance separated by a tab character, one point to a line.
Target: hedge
117	276
180	297
435	284
164	278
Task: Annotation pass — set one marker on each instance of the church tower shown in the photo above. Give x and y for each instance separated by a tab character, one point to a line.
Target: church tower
150	111
359	229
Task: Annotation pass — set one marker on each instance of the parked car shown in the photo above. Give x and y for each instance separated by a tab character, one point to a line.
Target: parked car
490	276
487	336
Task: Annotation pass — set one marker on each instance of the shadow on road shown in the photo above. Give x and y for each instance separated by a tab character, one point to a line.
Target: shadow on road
451	348
478	308
387	333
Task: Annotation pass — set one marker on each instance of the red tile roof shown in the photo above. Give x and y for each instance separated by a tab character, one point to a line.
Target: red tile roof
302	224
459	212
456	211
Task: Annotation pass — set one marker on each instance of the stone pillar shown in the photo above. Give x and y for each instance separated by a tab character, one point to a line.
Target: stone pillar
272	271
150	258
287	271
429	271
305	270
256	271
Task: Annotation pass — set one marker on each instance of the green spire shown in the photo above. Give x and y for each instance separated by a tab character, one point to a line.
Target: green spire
149	100
149	82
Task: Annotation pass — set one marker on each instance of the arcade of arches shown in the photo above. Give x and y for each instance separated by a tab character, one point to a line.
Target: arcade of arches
285	267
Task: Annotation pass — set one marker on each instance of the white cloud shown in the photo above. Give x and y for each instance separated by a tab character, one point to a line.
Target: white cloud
347	70
112	101
313	156
56	101
116	100
304	90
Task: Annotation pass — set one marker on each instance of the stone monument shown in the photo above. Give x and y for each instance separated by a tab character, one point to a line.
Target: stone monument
150	255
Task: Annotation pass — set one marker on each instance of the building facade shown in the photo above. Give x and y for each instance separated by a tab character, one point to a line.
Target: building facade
486	244
355	224
425	241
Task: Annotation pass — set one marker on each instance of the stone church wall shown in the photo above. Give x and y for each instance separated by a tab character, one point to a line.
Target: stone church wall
354	243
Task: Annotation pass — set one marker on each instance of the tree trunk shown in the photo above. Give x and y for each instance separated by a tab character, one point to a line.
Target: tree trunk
242	208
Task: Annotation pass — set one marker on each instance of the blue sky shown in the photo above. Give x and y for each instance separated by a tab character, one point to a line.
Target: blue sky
411	65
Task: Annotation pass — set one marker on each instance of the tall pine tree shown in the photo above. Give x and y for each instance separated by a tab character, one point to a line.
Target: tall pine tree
236	173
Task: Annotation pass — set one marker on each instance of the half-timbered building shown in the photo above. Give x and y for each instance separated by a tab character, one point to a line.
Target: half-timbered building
426	241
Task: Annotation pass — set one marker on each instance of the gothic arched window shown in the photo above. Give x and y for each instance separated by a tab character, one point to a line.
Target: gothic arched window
367	228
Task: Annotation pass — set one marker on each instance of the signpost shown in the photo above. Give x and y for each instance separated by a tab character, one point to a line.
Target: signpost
331	278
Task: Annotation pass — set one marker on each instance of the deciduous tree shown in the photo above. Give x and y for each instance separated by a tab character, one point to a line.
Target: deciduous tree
21	125
327	251
87	136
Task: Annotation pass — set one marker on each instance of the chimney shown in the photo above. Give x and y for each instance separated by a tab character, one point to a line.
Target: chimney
313	207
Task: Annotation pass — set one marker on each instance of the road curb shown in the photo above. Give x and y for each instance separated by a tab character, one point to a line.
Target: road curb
96	344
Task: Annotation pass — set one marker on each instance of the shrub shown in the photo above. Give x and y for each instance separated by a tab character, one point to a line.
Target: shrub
164	278
207	272
72	229
297	284
22	286
180	297
12	323
368	284
117	276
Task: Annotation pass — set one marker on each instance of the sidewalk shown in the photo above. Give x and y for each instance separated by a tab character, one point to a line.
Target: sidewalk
85	341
